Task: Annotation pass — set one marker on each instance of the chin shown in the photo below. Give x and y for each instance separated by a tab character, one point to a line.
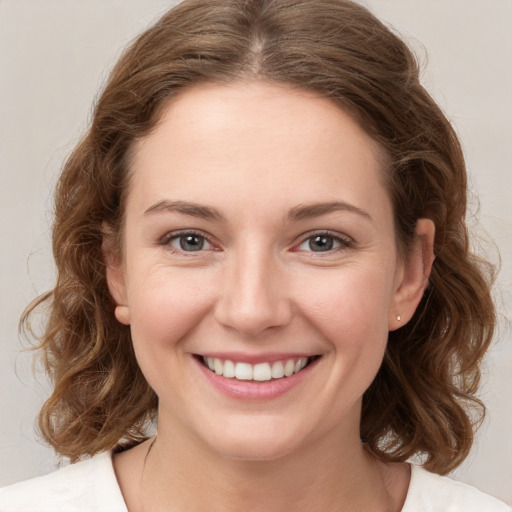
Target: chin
255	451
256	442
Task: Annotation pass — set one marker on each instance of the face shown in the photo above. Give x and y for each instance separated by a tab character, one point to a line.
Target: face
260	275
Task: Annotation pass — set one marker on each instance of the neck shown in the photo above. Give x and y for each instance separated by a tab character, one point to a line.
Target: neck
182	474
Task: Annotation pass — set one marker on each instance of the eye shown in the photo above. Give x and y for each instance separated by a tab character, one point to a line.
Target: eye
323	242
187	242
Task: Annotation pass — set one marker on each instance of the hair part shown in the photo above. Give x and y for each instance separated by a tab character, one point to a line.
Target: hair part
421	399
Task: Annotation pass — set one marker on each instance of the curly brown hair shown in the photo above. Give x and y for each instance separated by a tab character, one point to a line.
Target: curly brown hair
419	403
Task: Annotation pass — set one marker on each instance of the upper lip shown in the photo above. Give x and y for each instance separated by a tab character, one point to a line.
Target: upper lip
241	357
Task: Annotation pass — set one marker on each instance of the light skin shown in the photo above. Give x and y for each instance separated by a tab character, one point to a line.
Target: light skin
282	195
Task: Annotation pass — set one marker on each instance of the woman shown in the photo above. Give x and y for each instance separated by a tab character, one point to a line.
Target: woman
261	246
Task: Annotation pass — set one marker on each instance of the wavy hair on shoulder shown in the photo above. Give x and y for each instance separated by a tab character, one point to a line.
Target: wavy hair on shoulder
422	399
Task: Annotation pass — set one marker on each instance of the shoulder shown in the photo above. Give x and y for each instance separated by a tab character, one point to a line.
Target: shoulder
429	492
89	486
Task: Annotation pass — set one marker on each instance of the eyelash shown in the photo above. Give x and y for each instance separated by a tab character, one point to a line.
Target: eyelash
176	235
343	242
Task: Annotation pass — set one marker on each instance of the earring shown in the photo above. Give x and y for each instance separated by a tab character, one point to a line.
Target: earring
398	317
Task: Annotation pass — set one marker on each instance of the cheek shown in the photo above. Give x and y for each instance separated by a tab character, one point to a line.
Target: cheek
165	306
350	310
353	298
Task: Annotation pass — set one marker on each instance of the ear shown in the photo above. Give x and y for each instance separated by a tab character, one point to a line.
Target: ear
115	275
414	277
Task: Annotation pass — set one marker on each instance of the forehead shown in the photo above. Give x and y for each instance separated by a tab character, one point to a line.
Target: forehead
247	141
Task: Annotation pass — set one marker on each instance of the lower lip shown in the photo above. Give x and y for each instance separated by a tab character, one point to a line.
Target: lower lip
255	390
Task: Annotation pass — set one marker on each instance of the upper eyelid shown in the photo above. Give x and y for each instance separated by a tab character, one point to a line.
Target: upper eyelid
300	239
180	232
334	234
345	242
172	235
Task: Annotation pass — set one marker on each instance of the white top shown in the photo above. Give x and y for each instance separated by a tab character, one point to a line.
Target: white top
91	486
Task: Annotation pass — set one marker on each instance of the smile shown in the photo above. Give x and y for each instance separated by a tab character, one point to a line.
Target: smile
264	371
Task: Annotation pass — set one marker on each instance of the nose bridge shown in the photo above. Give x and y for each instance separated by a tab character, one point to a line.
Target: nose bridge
254	291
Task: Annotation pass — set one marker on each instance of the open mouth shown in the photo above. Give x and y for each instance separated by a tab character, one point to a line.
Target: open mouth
260	372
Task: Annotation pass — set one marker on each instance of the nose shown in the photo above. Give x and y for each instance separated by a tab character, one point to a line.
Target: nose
253	296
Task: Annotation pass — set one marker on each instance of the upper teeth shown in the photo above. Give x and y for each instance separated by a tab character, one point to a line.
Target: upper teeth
260	371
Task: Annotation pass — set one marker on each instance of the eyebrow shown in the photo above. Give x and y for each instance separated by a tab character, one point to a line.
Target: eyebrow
192	209
300	212
309	211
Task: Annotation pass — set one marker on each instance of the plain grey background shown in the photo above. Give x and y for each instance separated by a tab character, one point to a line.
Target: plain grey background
55	55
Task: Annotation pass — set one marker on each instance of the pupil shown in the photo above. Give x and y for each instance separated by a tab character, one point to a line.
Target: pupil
321	243
191	242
